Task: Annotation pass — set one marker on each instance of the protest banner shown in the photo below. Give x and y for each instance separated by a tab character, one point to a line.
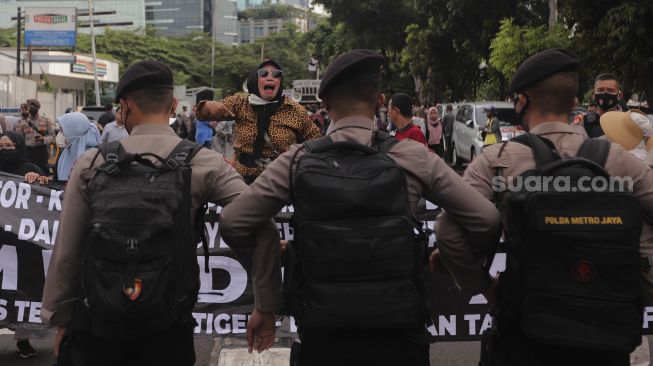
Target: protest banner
29	221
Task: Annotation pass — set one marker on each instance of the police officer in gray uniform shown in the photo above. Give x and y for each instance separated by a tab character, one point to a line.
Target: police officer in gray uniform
545	86
351	93
145	94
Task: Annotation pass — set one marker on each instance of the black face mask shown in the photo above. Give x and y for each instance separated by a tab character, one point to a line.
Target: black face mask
606	101
24	114
9	157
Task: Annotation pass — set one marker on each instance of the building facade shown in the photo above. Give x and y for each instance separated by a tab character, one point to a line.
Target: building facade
179	17
244	4
225	22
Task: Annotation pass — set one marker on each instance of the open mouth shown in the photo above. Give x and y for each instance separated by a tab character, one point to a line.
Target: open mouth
269	88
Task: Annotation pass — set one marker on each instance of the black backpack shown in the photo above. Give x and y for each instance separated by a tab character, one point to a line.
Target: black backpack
358	253
140	272
573	267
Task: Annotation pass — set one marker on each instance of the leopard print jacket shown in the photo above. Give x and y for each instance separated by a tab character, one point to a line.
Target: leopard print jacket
290	123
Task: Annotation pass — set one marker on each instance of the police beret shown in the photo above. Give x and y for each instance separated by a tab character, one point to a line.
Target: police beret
542	65
354	65
144	75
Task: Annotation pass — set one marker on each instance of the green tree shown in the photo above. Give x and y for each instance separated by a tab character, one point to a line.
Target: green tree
7	37
514	43
614	36
374	24
447	53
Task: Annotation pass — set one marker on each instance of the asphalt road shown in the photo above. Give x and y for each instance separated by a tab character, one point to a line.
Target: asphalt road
442	354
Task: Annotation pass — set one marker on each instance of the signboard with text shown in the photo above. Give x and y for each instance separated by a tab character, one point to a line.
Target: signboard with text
51	27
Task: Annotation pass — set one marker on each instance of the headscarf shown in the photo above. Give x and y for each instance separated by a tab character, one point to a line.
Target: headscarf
435	128
264	109
81	135
252	83
12	164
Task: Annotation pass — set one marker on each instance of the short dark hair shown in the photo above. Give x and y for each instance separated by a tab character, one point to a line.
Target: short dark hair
152	100
449	107
556	94
404	102
108	107
366	91
607	76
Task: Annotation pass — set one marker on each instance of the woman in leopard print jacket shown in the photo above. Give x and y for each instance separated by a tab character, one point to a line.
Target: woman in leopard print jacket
267	123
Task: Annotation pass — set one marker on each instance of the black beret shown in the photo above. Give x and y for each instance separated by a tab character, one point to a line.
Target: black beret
350	66
542	65
144	75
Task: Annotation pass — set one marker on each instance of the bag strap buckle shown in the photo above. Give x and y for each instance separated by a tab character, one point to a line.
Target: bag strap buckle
111	169
111	158
132	247
172	164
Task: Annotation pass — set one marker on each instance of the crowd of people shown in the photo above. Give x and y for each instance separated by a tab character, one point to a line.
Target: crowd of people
284	153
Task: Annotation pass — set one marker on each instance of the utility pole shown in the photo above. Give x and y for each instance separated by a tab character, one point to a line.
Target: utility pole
97	84
19	19
213	44
553	13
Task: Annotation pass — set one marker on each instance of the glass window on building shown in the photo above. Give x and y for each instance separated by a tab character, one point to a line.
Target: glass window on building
258	31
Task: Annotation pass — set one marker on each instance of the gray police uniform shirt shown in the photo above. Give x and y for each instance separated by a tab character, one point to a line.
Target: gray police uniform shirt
427	176
515	159
212	180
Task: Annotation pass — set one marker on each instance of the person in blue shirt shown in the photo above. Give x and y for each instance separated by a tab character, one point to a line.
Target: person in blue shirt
204	133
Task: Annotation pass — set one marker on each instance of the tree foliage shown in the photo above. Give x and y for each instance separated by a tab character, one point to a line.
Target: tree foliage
514	43
614	36
190	56
374	24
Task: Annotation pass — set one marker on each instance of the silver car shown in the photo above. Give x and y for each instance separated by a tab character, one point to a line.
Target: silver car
471	118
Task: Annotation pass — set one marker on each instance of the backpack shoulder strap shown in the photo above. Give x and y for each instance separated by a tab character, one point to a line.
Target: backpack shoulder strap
319	143
184	152
114	156
544	151
384	141
111	151
596	150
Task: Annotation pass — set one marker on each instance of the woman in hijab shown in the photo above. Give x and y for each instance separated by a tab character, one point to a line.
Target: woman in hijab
12	158
80	135
435	132
267	123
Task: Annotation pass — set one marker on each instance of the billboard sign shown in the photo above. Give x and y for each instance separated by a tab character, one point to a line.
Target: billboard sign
84	65
51	27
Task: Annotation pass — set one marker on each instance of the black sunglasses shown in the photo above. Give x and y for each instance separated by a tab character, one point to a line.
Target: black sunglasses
263	73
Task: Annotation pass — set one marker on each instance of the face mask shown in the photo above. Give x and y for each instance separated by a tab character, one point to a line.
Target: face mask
606	101
24	114
7	157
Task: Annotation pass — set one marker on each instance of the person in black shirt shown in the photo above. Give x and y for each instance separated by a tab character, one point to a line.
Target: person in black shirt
107	116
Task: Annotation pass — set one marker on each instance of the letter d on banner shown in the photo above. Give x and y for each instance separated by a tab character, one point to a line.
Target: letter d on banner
236	285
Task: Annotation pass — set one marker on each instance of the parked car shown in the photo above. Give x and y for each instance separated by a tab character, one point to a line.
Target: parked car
93	112
471	118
